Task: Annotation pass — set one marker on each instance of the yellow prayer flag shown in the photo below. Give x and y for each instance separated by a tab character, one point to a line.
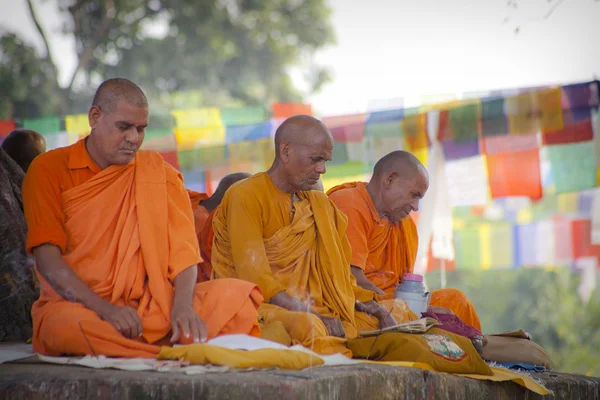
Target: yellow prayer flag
524	216
422	155
568	202
551	116
485	249
198	118
598	178
77	123
522	114
189	138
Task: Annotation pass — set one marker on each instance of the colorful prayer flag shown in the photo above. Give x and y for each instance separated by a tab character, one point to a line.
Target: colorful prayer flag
242	133
467	181
42	126
346	128
549	104
522	114
286	110
515	174
243	116
573	166
77	124
208	118
493	117
464	122
576	132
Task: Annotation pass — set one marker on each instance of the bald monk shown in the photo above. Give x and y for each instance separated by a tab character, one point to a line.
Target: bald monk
273	230
23	145
382	234
204	207
112	233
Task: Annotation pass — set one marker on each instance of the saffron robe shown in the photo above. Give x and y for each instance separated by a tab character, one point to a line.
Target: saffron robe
200	219
385	251
302	251
127	232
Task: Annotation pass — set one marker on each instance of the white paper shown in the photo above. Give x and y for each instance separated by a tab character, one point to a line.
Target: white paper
13	352
596	217
467	182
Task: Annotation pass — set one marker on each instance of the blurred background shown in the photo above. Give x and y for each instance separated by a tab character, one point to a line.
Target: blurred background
498	98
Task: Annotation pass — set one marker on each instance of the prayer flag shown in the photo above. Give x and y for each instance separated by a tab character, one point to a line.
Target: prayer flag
6	127
509	143
346	128
493	117
576	132
414	132
171	158
159	140
467	182
515	174
208	118
56	140
189	138
549	104
286	110
522	114
78	124
464	122
43	126
243	116
241	133
573	166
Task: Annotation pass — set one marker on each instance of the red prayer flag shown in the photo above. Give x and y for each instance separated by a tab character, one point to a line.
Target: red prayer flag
286	110
515	174
577	132
582	240
172	158
6	127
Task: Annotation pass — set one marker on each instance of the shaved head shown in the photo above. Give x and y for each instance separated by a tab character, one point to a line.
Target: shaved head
401	162
23	145
302	129
229	180
303	145
399	182
111	91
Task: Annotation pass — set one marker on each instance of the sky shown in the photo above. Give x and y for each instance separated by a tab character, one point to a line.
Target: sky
404	52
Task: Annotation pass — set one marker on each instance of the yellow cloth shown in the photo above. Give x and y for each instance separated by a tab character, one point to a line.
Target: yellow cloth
304	252
242	359
442	350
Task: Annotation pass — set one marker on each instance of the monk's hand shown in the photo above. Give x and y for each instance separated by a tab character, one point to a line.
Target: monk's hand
363	281
373	308
440	310
124	319
334	326
186	325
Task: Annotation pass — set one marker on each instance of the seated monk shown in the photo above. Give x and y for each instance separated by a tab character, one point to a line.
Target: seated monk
273	230
203	206
112	233
382	234
23	145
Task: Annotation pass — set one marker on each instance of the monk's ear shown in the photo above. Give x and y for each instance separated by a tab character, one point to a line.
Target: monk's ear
391	178
94	116
284	151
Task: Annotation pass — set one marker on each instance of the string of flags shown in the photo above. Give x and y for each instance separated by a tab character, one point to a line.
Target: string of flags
541	145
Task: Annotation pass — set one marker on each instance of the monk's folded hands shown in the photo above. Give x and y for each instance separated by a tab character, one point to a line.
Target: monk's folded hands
124	319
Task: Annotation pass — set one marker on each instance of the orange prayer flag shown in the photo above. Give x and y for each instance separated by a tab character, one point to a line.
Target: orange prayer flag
285	110
515	174
522	114
549	105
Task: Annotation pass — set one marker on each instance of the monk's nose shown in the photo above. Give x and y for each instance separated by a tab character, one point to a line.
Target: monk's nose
415	205
133	136
321	168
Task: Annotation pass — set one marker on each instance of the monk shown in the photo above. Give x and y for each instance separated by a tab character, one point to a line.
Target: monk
273	230
23	145
384	237
112	233
204	207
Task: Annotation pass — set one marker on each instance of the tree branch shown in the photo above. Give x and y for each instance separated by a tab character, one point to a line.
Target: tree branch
44	38
90	45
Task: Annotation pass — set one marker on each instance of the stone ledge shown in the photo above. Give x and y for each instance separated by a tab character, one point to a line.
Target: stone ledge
45	381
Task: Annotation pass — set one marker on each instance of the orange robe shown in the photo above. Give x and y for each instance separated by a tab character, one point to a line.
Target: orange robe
127	232
303	252
200	220
386	251
205	239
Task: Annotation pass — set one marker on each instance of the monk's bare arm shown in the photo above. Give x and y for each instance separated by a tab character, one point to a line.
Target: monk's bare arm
61	277
363	281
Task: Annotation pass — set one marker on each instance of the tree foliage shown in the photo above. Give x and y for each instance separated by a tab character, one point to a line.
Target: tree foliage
543	303
233	52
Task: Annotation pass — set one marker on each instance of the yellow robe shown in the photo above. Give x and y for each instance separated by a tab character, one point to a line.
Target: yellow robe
386	251
303	251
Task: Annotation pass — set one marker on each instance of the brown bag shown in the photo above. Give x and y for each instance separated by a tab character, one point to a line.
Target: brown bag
514	347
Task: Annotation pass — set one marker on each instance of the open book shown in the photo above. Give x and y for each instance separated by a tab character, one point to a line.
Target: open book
419	326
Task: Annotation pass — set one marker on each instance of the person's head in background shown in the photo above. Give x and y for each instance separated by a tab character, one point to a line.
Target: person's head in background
23	145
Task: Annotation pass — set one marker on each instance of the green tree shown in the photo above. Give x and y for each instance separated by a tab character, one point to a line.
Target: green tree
233	52
543	303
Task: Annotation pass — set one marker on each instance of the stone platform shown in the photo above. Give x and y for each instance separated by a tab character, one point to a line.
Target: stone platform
46	381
